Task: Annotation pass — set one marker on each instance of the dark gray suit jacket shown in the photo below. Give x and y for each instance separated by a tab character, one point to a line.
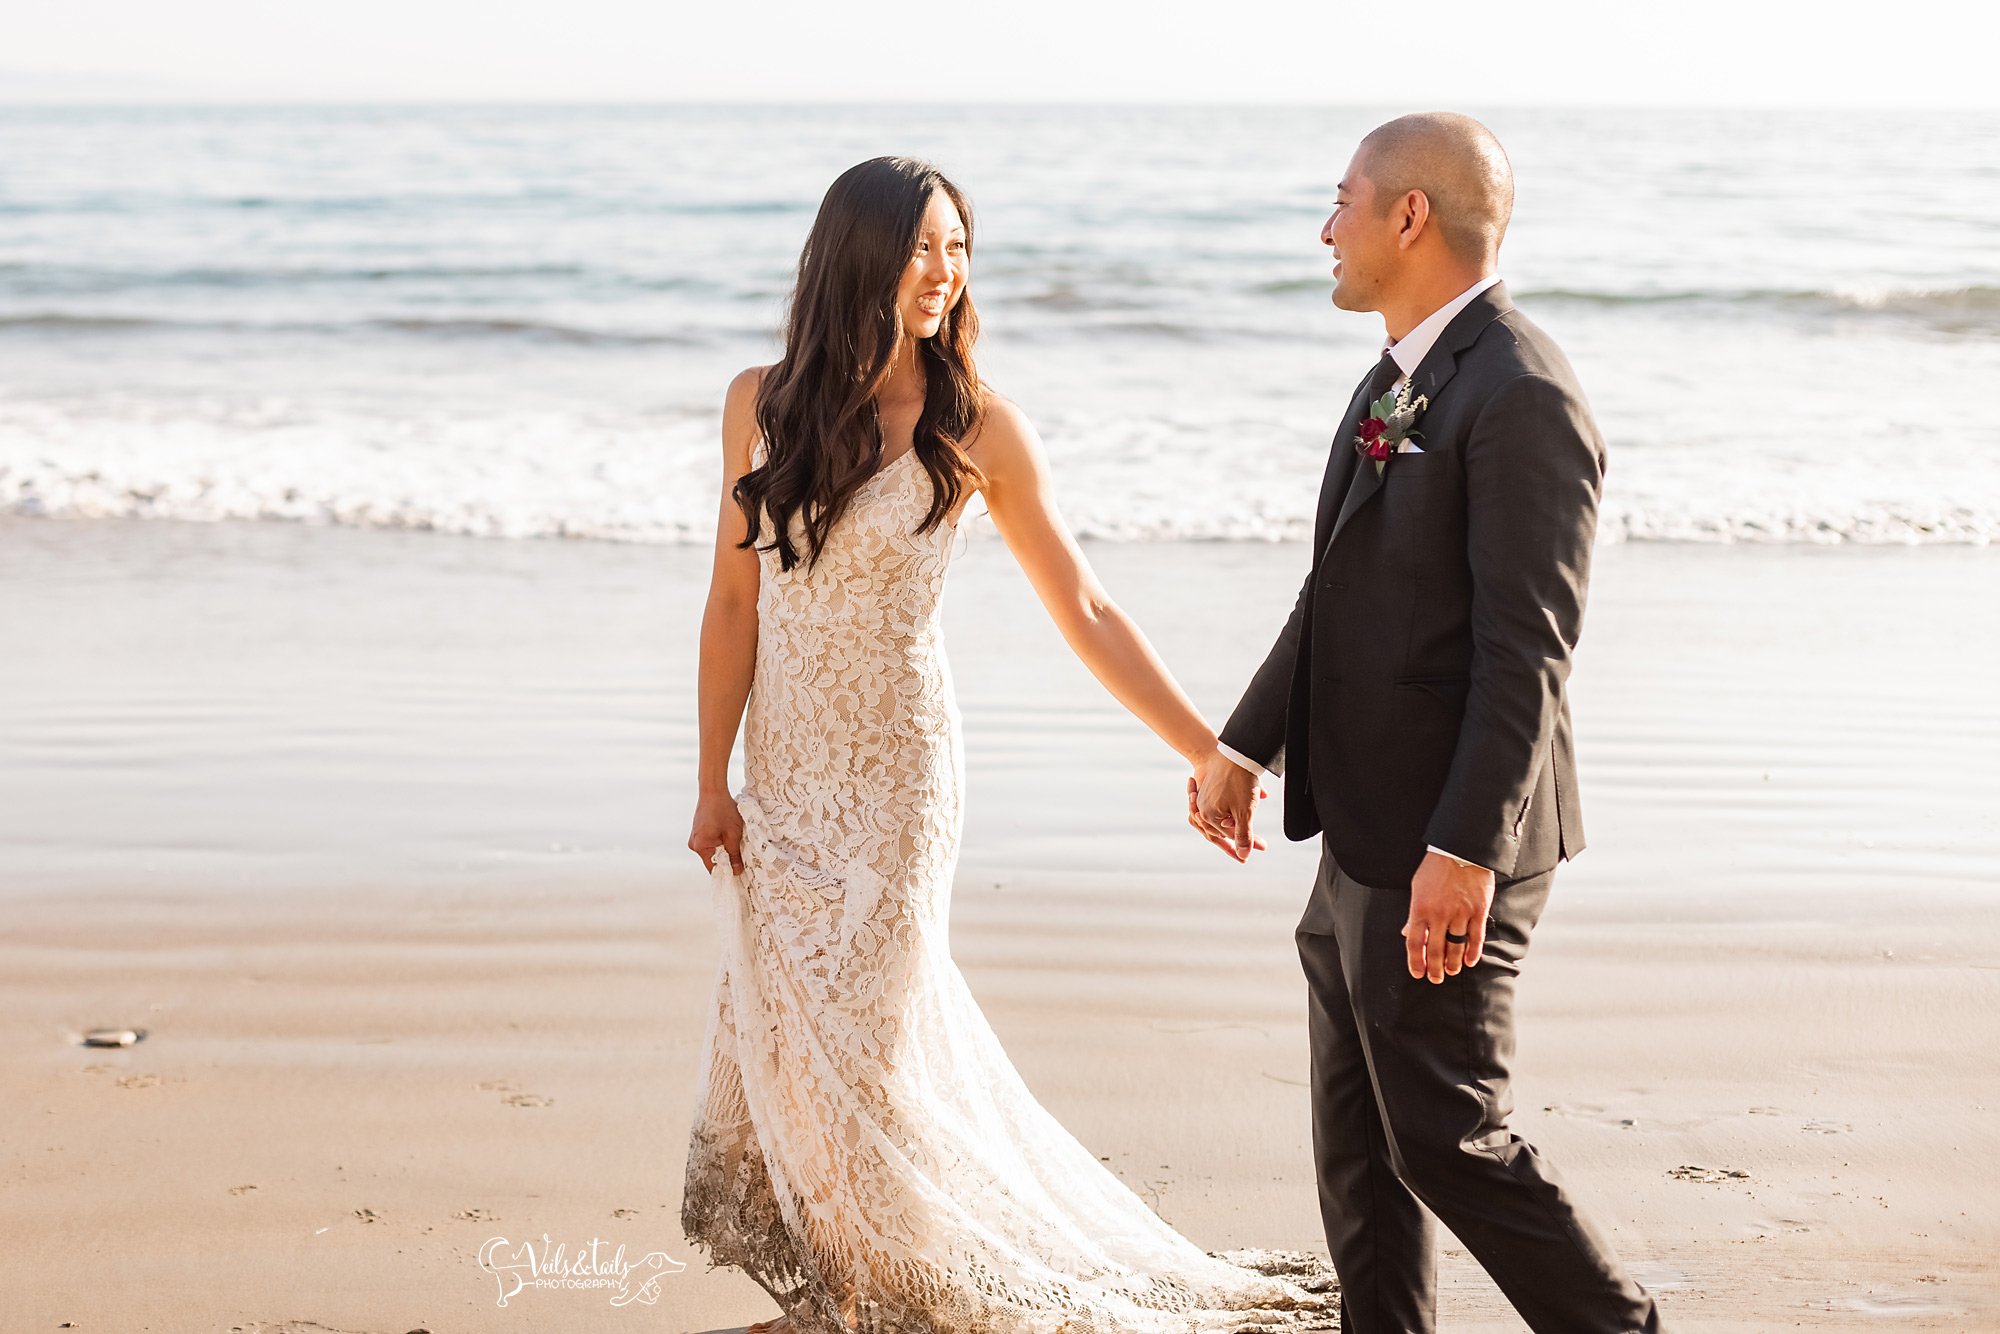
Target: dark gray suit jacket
1417	694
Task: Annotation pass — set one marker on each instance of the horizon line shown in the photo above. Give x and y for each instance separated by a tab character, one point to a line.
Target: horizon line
332	102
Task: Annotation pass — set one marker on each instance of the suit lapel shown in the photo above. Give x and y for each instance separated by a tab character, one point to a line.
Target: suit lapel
1367	481
1432	374
1340	467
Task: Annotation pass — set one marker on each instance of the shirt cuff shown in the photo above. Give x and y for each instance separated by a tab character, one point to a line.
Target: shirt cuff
1244	760
1455	857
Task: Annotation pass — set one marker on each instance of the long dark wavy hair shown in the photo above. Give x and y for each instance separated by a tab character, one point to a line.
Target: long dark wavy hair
816	406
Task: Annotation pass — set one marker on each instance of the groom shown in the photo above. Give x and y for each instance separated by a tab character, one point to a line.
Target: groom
1415	704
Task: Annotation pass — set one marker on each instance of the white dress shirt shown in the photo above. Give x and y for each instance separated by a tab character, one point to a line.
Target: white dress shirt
1408	352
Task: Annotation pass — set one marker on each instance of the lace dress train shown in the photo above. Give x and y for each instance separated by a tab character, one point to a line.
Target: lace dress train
862	1146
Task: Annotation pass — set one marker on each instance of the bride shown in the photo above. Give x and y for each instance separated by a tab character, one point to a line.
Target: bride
862	1147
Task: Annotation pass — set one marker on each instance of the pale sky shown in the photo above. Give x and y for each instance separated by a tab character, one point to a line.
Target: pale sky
1456	52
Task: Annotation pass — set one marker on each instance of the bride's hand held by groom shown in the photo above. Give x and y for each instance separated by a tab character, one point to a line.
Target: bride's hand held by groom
1020	499
1222	798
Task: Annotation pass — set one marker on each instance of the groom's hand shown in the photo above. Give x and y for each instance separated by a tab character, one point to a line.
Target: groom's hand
1446	899
1222	795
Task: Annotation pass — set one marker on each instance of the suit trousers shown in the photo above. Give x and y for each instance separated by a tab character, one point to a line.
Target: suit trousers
1410	1098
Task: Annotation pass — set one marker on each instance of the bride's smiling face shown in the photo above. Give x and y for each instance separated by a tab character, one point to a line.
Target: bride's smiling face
935	278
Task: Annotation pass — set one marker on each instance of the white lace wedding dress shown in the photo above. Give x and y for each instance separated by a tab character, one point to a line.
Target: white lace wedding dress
862	1146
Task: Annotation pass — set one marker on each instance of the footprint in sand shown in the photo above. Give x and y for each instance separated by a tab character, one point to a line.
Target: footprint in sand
1896	1303
241	1190
476	1216
1772	1226
368	1215
624	1213
139	1082
1708	1176
514	1098
1590	1111
1656	1276
1827	1128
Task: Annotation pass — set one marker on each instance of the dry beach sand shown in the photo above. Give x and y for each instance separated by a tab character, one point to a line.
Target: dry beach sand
379	836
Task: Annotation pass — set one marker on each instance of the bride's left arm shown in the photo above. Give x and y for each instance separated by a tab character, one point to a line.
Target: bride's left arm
1020	499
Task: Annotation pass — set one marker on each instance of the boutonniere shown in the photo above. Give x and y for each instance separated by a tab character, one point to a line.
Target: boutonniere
1388	424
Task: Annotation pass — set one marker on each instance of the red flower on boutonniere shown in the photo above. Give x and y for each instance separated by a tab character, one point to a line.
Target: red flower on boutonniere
1388	424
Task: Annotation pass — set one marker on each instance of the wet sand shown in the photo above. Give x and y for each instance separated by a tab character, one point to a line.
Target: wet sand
381	837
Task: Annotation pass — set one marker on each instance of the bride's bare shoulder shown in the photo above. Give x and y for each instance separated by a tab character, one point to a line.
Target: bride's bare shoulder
739	417
1004	435
744	387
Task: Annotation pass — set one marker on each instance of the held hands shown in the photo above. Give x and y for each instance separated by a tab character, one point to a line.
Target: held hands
717	824
1221	797
1447	900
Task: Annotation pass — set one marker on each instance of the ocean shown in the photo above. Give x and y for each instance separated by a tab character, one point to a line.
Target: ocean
514	321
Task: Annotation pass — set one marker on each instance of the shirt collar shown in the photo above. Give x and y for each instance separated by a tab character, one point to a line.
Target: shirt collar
1408	351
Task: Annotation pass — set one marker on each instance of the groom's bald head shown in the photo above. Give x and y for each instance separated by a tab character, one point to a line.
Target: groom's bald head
1459	166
